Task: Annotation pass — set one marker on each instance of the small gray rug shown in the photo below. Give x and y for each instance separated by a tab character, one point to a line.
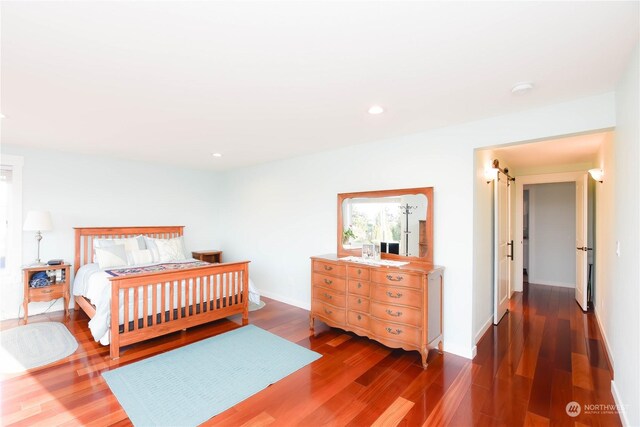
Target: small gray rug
254	306
33	345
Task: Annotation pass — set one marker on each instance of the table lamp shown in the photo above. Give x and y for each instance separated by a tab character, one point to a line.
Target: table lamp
38	221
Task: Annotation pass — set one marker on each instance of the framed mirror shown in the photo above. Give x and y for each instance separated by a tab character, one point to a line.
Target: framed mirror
400	221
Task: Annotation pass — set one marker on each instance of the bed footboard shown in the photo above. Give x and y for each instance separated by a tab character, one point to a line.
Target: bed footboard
155	304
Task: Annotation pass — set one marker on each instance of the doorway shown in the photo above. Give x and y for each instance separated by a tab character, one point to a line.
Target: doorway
548	233
559	222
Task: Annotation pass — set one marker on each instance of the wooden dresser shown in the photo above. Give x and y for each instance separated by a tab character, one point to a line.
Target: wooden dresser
400	307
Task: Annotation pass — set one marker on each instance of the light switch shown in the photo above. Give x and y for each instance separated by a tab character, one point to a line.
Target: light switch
618	247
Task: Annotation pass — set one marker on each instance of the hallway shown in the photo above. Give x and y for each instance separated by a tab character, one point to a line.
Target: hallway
544	354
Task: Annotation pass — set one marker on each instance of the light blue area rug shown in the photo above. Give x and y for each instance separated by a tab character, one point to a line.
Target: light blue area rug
189	385
33	345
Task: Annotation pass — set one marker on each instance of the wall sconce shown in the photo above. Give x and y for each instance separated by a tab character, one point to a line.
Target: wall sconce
596	174
491	174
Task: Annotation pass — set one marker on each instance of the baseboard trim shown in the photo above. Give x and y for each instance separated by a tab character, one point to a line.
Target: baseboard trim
607	348
619	405
293	302
535	281
467	353
483	330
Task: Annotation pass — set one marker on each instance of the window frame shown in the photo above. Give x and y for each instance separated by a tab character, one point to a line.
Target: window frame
14	240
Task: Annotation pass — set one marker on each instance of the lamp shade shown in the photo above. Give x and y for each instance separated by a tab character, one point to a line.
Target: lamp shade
491	174
38	221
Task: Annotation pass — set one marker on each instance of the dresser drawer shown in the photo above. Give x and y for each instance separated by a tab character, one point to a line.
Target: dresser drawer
396	295
397	278
46	293
331	282
360	273
396	313
359	287
359	320
358	303
395	331
329	268
329	312
328	296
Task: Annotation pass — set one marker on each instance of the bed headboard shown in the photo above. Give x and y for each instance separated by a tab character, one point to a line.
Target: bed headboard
86	235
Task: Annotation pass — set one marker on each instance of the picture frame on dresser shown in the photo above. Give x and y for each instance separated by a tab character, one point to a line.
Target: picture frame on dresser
397	300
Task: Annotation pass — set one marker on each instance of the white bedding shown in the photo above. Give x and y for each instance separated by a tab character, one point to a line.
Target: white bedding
93	283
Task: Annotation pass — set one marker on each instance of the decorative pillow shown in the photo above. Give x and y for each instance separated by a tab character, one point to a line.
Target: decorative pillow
130	244
138	257
150	243
170	249
111	256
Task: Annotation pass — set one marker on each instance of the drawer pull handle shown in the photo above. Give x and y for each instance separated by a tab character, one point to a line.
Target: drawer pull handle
397	295
359	285
359	301
396	279
47	291
326	295
359	317
328	267
359	272
328	282
396	314
328	311
396	332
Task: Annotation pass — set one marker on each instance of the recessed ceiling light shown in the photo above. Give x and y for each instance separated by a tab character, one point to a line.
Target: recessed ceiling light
522	88
376	109
217	155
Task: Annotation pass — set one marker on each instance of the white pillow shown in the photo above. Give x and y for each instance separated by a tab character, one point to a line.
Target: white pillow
140	256
130	244
170	249
111	256
150	243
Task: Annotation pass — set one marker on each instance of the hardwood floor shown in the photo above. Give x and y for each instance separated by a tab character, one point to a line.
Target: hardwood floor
544	354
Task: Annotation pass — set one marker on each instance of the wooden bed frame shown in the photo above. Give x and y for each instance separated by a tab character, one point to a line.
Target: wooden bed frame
210	293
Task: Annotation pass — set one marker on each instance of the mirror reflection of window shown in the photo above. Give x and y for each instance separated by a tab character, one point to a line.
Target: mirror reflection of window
382	220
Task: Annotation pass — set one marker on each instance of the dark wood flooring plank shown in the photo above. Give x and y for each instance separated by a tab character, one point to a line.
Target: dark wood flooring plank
544	352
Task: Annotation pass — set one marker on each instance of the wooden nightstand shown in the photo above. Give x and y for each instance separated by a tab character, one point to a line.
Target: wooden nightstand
60	289
208	256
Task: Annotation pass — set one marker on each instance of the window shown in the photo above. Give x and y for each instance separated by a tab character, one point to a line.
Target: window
10	214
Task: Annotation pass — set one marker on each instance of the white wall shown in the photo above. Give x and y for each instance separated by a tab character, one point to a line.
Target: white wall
618	273
483	231
552	234
83	190
281	213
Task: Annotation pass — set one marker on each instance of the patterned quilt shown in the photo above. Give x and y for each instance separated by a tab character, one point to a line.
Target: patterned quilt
156	267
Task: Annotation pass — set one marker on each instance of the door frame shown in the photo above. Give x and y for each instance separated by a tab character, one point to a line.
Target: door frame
521	181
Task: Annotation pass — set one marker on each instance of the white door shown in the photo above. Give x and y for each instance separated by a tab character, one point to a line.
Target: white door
581	241
502	248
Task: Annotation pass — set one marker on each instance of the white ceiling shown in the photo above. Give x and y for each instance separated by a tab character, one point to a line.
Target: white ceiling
175	81
572	150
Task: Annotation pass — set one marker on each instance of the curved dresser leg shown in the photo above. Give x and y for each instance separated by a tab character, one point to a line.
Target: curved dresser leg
311	325
440	347
424	354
